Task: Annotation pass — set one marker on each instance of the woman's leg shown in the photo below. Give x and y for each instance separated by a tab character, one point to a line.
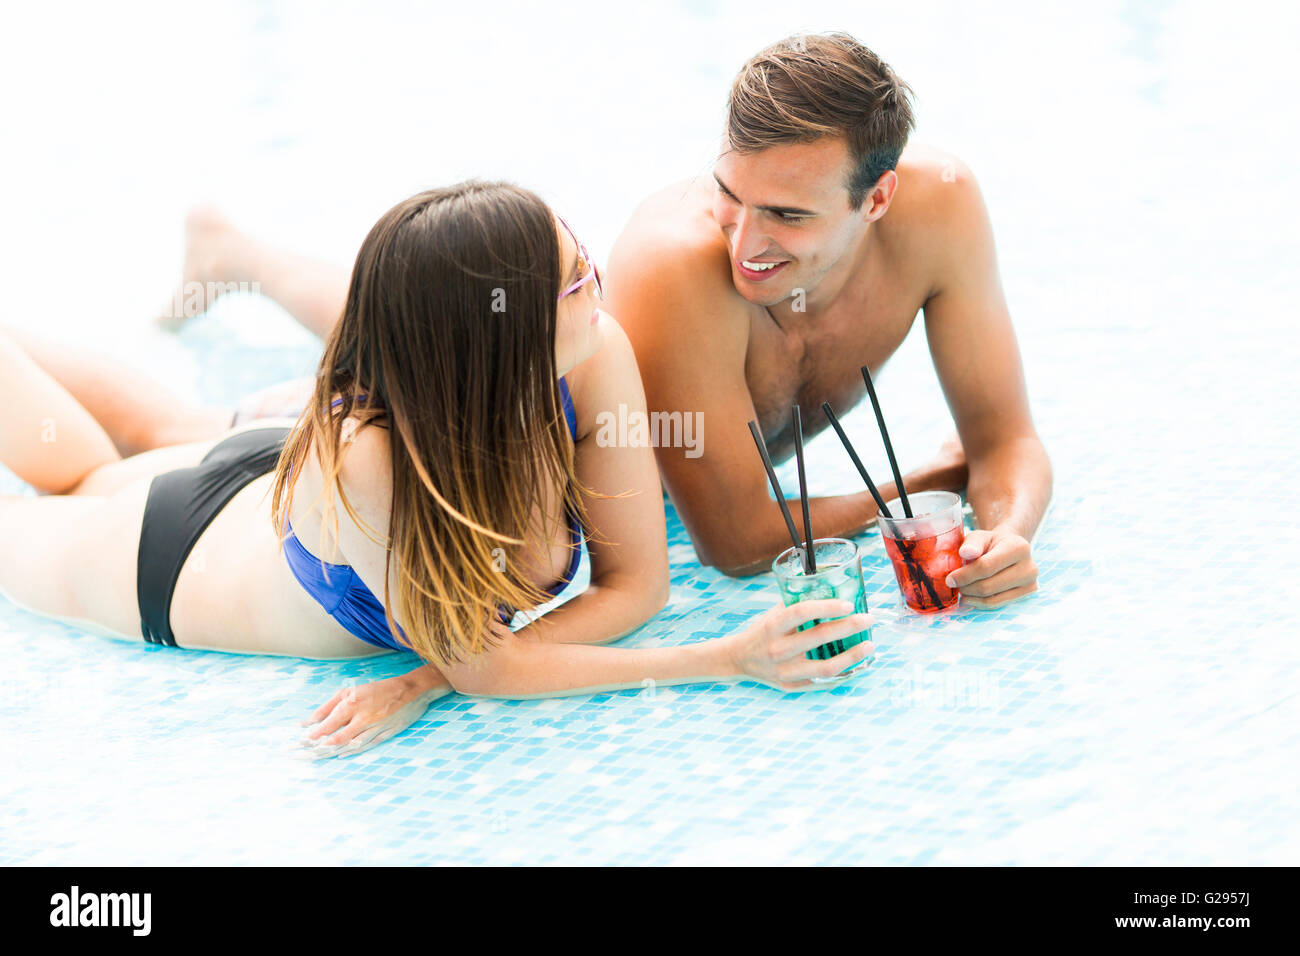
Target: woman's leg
73	558
219	256
47	438
136	412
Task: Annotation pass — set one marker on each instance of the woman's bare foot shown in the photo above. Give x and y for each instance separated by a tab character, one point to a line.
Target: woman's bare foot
212	245
284	400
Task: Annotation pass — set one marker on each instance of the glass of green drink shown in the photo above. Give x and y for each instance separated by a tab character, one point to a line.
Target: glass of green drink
838	575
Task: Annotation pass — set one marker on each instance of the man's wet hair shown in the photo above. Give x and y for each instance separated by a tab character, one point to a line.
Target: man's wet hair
823	84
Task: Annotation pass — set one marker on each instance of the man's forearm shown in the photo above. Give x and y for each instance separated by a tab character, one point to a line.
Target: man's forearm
765	534
1011	486
752	548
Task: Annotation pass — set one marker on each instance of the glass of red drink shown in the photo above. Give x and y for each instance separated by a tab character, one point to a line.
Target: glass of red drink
923	548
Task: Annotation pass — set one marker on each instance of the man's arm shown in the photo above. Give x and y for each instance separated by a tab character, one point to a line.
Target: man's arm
977	359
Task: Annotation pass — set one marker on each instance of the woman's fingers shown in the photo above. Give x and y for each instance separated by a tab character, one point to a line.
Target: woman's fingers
794	670
388	727
340	715
323	710
775	651
354	734
346	732
842	664
364	736
365	740
357	718
801	669
790	617
800	642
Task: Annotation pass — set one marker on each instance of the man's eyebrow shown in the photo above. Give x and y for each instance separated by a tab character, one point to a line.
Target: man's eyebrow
779	210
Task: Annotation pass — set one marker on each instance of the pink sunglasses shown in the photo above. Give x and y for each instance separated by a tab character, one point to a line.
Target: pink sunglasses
592	274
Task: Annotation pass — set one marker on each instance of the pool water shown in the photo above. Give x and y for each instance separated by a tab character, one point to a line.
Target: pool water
1141	708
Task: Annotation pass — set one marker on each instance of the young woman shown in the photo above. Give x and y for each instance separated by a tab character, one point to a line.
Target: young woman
439	478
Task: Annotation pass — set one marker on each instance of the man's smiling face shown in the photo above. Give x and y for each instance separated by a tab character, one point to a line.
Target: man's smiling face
785	213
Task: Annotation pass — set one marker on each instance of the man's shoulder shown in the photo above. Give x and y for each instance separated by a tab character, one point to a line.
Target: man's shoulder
933	186
672	255
672	234
937	213
679	208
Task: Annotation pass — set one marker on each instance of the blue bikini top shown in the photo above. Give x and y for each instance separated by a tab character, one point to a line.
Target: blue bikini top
345	597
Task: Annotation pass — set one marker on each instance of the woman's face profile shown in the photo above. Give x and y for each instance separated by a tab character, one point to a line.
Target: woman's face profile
578	334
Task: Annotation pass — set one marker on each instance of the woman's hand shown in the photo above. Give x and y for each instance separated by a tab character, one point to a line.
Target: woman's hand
771	649
358	718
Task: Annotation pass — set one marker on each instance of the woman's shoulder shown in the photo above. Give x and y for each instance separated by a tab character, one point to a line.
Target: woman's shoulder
365	472
608	377
365	467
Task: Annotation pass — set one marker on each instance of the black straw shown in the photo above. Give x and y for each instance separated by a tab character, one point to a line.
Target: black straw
904	546
810	561
776	485
853	456
889	448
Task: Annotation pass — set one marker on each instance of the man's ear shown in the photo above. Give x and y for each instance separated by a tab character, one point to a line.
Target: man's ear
881	195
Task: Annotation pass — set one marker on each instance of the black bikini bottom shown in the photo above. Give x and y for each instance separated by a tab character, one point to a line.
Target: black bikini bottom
180	506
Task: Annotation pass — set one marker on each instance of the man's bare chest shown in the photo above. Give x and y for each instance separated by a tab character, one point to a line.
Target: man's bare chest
814	363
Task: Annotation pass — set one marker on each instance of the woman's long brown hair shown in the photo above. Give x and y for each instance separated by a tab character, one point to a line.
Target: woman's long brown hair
448	340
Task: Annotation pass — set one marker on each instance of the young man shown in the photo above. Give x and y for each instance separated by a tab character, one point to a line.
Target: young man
805	256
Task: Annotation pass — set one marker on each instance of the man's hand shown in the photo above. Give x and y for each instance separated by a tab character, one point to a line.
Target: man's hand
999	569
